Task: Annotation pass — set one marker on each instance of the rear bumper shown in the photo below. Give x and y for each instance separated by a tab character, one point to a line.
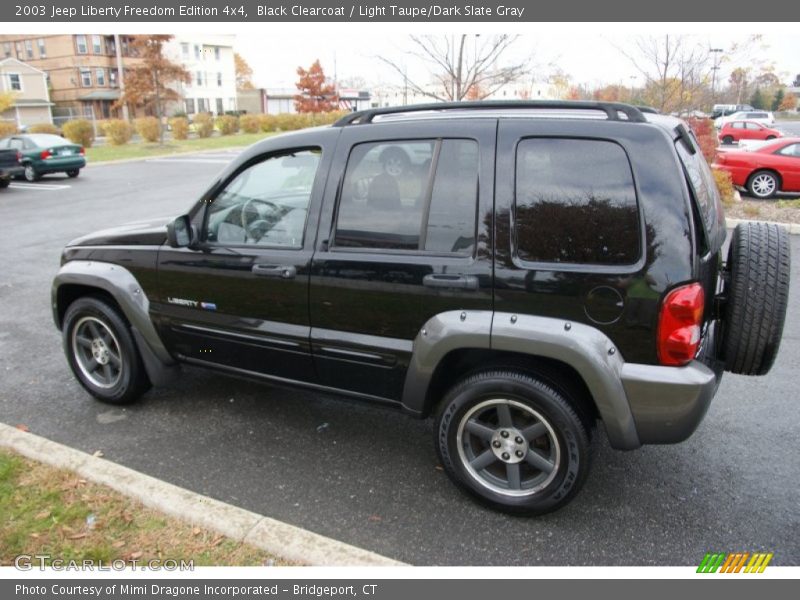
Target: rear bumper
738	174
58	164
668	403
11	171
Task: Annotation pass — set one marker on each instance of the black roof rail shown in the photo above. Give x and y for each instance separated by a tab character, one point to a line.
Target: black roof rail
648	109
612	109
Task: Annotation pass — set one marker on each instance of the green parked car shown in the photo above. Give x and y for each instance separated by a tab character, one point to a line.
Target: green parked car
44	153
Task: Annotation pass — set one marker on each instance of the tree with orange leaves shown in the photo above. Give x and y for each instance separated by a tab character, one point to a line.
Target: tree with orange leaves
316	94
149	83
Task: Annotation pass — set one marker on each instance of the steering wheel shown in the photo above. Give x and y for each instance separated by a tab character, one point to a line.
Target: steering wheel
252	228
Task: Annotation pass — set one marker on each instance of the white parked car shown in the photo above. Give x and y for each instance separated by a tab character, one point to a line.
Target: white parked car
759	116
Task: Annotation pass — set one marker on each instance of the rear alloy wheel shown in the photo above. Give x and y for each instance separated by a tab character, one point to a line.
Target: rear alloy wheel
102	353
73	173
727	140
513	442
759	264
763	184
31	174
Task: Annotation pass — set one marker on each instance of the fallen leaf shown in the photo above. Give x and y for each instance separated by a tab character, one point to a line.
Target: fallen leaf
118	544
76	536
23	427
98	454
439	468
42	515
127	517
217	540
83	481
135	555
34	535
374	518
196	531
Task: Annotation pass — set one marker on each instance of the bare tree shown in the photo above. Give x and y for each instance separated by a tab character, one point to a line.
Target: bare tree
462	66
675	70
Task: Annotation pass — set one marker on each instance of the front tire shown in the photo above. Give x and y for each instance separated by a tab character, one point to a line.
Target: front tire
5	182
102	353
513	442
31	174
73	173
763	184
727	140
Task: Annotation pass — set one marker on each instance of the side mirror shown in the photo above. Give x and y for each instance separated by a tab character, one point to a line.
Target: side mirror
180	233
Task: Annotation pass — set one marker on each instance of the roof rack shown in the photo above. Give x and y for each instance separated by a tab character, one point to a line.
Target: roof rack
612	109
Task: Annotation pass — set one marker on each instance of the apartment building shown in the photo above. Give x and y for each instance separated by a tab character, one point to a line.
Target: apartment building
29	88
81	69
209	59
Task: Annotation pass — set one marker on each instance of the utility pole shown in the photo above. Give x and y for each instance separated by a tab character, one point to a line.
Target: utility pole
121	77
715	53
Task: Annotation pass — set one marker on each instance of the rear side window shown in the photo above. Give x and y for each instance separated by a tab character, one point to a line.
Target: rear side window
413	196
703	185
575	202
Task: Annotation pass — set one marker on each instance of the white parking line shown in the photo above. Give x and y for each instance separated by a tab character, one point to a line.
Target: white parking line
42	187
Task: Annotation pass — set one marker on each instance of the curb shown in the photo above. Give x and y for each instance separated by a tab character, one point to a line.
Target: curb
121	161
270	535
793	228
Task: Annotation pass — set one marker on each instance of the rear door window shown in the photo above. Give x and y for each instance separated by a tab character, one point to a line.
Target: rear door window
575	202
416	196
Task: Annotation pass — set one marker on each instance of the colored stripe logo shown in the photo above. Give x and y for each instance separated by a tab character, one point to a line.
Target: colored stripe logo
738	562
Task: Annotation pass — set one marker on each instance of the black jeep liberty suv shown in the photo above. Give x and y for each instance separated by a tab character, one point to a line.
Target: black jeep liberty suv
519	270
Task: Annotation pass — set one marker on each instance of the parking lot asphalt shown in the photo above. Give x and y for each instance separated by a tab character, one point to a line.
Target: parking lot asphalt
368	475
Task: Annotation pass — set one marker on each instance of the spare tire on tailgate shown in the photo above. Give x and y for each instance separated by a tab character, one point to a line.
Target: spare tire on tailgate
757	294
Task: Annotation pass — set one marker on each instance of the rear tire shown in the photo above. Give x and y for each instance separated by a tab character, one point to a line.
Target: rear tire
5	182
727	140
31	174
763	184
759	262
73	173
512	442
102	353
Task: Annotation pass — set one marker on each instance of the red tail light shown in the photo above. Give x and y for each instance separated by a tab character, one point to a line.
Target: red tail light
82	151
679	325
46	154
19	156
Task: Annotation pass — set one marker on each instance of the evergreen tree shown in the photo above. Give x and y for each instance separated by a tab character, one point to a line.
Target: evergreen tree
757	99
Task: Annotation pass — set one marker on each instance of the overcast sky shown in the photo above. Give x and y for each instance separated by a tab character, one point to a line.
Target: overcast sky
591	59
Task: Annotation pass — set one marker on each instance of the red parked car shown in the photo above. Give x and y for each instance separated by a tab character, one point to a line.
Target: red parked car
766	169
734	131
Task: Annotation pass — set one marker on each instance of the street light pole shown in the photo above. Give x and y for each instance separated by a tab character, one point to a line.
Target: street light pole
715	53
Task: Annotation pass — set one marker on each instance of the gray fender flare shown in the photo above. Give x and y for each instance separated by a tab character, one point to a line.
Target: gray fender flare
586	349
125	289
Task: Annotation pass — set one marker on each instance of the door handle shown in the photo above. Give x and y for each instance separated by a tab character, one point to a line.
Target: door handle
276	271
462	282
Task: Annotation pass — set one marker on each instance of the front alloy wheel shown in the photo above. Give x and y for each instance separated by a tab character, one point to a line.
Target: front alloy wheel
513	441
97	352
102	353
